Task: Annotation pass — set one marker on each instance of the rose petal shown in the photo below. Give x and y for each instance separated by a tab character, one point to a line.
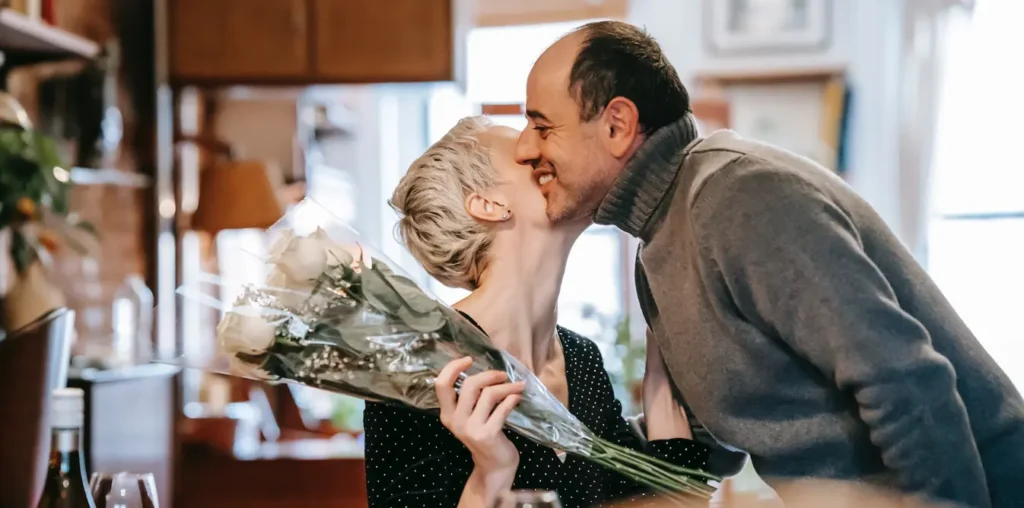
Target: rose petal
303	260
245	331
279	246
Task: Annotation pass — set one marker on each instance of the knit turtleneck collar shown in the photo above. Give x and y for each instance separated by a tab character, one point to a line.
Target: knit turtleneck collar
647	178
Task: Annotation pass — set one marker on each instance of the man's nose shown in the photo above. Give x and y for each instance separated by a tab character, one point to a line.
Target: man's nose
527	150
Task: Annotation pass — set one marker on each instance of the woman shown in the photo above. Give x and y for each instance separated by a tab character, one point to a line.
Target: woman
475	219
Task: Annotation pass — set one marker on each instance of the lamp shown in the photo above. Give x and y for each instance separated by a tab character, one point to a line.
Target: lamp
236	195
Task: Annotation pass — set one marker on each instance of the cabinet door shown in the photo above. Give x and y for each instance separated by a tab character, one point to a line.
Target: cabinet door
363	41
239	41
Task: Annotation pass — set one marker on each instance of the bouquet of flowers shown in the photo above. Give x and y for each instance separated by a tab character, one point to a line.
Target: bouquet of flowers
333	315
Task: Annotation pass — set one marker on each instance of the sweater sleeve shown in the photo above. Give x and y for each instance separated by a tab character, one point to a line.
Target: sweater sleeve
793	263
409	460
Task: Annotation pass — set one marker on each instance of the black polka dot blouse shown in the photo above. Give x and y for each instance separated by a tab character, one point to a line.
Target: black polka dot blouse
413	461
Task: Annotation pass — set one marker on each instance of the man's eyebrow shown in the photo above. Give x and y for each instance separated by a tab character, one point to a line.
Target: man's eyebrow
536	115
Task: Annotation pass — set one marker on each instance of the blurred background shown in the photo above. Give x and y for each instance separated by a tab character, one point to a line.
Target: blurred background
184	127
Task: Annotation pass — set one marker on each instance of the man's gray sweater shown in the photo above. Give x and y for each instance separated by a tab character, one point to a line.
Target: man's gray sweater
798	329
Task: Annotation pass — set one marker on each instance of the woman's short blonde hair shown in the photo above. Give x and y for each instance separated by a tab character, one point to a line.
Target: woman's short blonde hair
431	202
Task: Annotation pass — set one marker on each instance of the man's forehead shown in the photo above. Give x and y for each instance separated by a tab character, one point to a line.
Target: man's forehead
551	70
547	87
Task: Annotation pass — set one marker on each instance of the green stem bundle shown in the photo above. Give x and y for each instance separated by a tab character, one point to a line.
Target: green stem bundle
665	477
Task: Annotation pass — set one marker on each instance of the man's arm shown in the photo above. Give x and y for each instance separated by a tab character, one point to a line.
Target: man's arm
793	263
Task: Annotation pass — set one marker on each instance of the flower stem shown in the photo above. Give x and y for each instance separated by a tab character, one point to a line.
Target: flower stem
658	474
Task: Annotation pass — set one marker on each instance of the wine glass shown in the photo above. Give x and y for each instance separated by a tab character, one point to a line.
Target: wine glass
124	490
528	499
99	486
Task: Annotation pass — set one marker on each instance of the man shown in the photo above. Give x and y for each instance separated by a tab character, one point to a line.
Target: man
793	322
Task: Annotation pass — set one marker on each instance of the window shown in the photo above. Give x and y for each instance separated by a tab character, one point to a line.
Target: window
976	240
593	295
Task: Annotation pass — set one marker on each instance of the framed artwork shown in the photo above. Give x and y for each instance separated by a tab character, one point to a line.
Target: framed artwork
805	111
745	26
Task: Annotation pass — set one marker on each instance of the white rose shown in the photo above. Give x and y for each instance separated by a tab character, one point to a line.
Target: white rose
243	330
289	293
337	254
301	259
281	243
276	279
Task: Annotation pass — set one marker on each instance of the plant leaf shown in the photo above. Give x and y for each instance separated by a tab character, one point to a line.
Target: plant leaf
391	295
410	293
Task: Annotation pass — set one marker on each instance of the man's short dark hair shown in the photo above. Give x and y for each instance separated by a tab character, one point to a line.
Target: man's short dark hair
617	59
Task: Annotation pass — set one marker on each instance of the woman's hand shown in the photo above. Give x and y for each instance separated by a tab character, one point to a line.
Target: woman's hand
476	416
665	418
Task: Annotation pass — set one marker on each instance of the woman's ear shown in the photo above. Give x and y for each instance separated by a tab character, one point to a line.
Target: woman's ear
485	209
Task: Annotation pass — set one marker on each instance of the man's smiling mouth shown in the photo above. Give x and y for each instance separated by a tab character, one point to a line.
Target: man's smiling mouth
543	174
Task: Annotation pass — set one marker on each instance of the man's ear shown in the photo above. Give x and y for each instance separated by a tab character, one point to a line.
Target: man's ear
621	124
487	209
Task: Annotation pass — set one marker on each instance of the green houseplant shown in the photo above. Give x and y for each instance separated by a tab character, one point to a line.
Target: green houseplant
634	355
34	217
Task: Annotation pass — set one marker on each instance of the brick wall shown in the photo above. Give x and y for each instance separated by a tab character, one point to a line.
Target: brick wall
89	285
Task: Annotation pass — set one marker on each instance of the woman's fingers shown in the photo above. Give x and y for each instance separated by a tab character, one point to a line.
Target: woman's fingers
490	398
444	386
497	419
471	389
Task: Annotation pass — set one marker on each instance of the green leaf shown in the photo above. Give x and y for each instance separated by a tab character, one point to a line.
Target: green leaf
400	297
45	150
410	293
27	162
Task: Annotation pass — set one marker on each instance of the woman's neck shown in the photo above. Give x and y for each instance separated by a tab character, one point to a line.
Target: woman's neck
517	297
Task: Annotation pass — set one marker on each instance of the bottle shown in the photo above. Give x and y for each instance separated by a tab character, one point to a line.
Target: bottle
66	485
132	319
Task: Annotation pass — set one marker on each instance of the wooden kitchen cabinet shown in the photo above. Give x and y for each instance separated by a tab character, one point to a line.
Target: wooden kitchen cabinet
384	40
239	40
302	42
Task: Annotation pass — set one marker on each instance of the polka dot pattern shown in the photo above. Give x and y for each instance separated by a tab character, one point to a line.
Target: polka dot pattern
413	461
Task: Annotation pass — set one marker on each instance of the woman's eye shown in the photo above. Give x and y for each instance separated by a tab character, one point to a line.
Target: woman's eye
541	130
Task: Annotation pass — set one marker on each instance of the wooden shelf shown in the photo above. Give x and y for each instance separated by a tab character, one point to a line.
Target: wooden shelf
23	40
772	76
112	177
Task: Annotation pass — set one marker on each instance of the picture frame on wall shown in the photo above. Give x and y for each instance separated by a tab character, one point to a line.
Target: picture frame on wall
752	26
805	111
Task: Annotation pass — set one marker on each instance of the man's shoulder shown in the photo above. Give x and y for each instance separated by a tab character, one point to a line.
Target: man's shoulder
729	145
726	167
725	142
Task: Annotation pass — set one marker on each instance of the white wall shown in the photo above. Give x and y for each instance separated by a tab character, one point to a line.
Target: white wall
865	36
388	124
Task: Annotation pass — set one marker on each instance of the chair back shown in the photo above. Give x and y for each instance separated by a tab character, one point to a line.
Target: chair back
33	362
